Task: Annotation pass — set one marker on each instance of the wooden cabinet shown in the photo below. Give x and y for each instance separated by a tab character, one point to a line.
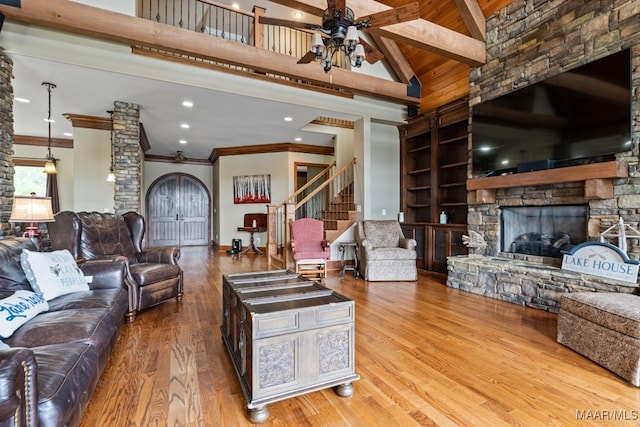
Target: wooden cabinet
434	168
436	242
286	336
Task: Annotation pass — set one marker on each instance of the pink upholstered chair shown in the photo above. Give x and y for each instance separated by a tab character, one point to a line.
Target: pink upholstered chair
308	246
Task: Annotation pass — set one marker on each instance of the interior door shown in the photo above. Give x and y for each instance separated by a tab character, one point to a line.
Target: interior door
178	212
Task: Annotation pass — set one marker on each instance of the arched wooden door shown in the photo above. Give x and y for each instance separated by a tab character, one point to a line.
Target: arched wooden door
178	211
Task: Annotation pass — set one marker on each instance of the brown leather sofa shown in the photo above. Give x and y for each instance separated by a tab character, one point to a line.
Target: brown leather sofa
56	358
153	274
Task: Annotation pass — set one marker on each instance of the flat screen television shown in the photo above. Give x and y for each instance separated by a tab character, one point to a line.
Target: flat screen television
580	116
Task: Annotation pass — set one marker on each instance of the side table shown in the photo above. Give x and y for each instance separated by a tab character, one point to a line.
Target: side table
342	248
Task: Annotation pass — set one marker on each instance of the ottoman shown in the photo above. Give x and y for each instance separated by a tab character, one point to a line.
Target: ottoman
604	327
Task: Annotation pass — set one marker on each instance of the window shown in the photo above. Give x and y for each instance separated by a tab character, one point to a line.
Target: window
29	177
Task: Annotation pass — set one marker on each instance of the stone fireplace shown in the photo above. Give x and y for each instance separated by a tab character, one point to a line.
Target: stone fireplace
528	42
542	230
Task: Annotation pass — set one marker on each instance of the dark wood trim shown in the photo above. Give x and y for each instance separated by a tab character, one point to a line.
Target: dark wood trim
333	122
204	63
145	145
88	122
41	141
21	161
171	159
604	170
271	148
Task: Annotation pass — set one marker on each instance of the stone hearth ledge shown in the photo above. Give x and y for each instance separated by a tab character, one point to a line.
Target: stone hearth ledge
524	282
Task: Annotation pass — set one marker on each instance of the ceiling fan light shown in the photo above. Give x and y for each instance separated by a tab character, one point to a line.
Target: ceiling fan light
352	34
316	43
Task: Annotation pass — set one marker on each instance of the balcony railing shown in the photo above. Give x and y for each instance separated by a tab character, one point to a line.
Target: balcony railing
221	21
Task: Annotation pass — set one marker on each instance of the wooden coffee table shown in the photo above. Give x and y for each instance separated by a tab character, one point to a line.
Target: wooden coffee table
286	336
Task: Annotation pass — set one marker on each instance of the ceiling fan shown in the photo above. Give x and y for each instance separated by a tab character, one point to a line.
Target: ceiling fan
339	32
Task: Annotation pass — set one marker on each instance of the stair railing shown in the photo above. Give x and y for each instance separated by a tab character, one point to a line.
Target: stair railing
328	200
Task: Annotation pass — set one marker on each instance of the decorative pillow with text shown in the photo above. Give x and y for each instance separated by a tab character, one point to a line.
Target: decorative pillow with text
53	273
18	309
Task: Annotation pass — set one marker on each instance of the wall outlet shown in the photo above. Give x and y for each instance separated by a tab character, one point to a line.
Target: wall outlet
384	212
257	239
359	208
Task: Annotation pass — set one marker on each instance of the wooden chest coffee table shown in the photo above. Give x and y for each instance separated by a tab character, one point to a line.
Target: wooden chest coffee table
286	336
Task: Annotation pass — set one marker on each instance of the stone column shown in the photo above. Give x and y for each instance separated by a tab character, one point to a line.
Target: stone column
127	157
6	142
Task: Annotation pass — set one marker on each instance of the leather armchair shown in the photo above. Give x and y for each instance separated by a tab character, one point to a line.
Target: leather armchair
385	254
153	274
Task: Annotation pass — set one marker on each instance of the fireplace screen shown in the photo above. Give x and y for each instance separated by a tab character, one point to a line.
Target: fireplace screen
542	230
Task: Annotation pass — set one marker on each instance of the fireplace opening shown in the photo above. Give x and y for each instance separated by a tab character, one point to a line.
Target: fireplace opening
542	230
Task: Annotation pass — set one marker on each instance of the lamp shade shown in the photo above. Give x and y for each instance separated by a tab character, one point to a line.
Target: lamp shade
50	167
31	209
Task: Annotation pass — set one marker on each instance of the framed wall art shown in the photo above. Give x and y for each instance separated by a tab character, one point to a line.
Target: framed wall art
252	189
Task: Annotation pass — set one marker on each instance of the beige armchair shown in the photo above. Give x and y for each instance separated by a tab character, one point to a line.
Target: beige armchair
385	254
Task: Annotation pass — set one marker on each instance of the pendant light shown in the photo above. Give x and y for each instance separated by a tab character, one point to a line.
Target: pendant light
111	177
50	165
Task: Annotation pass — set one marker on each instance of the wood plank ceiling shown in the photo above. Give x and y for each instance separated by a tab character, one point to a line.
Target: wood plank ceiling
443	80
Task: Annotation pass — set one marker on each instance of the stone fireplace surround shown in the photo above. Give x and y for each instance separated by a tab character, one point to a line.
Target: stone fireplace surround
527	42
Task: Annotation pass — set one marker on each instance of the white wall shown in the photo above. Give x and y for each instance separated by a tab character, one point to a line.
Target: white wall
128	7
384	168
92	158
278	165
82	171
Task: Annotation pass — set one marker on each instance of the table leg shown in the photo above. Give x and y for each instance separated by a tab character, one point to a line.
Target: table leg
344	390
259	414
342	251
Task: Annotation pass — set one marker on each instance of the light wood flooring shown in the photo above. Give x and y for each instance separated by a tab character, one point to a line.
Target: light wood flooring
427	355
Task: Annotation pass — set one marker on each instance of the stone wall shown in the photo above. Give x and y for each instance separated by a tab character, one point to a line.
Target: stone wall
529	41
6	141
524	282
127	157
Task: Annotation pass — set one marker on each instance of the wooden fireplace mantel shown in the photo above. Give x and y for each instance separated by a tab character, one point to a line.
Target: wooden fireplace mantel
598	179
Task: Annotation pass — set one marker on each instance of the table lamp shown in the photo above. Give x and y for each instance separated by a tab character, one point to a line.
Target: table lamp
32	210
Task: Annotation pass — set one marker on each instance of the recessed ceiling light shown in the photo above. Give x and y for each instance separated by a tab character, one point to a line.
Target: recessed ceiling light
24	100
236	6
187	104
183	141
298	139
67	134
485	148
297	15
504	162
288	119
185	126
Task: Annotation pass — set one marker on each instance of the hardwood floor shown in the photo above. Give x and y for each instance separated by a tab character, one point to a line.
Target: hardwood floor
426	354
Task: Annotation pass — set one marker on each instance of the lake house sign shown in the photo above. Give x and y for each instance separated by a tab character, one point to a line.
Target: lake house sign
601	259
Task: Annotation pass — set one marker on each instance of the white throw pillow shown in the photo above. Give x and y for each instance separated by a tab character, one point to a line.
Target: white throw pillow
53	273
18	309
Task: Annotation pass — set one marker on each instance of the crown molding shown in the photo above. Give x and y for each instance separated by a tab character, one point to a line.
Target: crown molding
41	141
270	148
89	122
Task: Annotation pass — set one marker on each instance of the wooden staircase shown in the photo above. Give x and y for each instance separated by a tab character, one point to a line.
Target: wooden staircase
330	199
339	215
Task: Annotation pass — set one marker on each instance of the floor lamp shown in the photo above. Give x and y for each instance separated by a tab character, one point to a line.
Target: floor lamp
32	210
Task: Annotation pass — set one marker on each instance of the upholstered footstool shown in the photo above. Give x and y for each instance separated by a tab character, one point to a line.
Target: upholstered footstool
605	327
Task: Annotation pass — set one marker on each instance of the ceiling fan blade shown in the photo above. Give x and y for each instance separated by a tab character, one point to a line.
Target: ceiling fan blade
399	14
307	58
372	55
334	6
288	23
